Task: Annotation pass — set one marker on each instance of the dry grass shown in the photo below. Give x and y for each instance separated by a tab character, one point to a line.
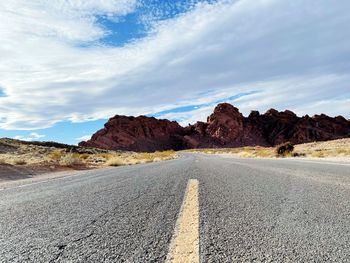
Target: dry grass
137	158
244	152
56	155
70	159
19	162
20	153
335	148
17	153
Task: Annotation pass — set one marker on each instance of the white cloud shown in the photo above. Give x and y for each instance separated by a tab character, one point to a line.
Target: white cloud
31	137
296	53
301	95
63	20
83	138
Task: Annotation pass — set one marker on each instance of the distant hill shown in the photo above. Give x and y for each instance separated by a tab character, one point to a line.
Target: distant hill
225	127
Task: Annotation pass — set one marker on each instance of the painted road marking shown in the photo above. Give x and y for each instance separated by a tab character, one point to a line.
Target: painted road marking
184	247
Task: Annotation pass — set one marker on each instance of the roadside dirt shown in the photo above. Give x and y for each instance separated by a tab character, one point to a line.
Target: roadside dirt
11	175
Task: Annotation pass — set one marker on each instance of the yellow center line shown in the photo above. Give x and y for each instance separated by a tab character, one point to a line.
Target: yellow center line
184	247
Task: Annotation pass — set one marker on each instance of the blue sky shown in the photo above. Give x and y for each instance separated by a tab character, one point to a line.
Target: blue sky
2	93
67	66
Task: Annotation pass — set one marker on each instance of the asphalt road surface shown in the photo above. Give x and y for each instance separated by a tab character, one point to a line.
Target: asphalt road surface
250	210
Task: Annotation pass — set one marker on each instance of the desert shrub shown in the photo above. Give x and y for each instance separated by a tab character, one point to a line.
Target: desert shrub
245	154
284	149
69	160
83	156
342	152
264	152
139	158
319	154
56	155
295	154
6	148
104	155
165	155
20	162
116	161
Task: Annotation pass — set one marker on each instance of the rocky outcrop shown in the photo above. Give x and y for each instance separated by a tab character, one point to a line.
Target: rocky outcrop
137	134
225	127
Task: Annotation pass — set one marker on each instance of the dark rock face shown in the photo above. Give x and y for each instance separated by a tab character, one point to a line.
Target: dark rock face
225	127
137	134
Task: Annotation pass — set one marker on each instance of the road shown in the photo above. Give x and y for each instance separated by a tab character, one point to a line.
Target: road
249	210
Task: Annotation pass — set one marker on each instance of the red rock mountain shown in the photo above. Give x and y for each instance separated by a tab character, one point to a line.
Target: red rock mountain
225	127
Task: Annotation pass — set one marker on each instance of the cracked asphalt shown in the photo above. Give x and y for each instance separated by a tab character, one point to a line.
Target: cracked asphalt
251	210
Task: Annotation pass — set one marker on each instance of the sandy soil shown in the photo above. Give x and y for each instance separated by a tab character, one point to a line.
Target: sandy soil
335	160
36	161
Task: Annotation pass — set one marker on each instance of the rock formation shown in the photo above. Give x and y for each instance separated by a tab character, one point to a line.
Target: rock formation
225	127
137	134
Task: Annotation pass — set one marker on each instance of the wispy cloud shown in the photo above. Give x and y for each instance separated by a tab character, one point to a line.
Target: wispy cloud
296	53
83	138
31	137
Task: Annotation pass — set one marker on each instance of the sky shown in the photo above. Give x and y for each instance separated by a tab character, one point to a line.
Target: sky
68	65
